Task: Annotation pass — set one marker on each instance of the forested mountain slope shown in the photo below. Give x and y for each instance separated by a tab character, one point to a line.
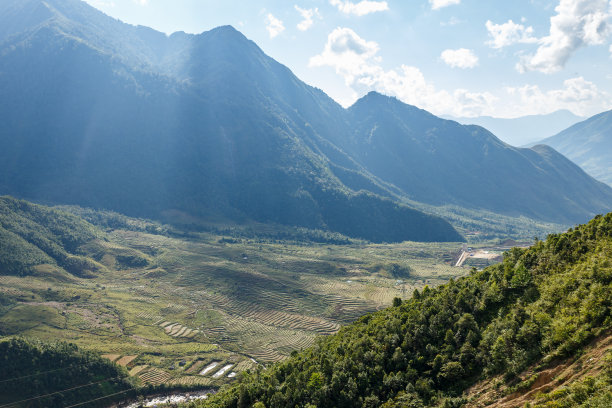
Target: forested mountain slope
589	144
38	239
540	305
37	374
211	126
206	124
439	161
32	235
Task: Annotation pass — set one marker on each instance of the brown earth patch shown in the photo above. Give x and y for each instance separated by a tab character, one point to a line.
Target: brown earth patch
494	393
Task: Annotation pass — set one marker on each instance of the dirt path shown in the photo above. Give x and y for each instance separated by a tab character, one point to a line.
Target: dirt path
462	258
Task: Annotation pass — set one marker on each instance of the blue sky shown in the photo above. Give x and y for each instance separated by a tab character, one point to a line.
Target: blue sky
451	57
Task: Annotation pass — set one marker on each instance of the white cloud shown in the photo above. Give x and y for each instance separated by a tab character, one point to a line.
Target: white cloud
611	50
307	15
348	53
274	25
438	4
142	2
577	95
460	58
357	61
360	9
578	23
503	35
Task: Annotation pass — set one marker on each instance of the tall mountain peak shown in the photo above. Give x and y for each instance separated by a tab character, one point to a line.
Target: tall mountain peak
375	97
376	100
209	124
227	30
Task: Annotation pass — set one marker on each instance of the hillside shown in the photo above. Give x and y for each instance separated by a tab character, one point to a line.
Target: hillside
541	306
32	235
179	124
525	129
166	303
58	374
438	161
588	144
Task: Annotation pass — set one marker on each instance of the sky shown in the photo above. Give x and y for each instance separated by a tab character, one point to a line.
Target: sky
461	58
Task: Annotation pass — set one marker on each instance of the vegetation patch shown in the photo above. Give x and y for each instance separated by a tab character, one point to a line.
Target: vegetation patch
58	374
539	306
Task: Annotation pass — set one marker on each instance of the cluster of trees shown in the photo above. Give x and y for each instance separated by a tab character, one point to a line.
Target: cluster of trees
279	234
541	303
38	374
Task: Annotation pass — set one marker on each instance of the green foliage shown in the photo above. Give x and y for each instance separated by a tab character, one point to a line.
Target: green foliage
18	256
32	235
539	304
31	368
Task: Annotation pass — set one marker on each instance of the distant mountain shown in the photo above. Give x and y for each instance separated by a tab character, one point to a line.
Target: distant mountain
103	114
589	144
525	129
439	161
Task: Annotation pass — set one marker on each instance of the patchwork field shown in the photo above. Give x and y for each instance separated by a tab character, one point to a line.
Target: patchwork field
199	308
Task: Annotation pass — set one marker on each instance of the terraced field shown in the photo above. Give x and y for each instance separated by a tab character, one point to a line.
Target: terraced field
204	298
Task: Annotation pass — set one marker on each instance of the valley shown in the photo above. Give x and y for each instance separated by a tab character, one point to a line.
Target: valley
185	308
185	220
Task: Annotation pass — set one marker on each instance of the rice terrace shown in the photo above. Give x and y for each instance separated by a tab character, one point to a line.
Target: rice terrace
197	308
319	204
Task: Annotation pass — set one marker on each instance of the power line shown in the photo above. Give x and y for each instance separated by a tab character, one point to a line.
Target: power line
58	392
44	372
71	367
100	398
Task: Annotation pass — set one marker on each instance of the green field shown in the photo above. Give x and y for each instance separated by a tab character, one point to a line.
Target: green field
182	300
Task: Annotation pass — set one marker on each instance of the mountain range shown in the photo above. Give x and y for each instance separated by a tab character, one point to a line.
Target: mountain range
525	129
589	144
99	113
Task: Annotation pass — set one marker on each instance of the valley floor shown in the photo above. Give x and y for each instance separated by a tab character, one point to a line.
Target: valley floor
208	307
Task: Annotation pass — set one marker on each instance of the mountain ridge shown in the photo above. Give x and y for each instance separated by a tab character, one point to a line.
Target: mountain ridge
263	166
179	123
589	144
524	130
440	161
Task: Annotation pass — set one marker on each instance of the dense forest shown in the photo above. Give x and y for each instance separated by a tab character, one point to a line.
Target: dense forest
540	305
37	374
